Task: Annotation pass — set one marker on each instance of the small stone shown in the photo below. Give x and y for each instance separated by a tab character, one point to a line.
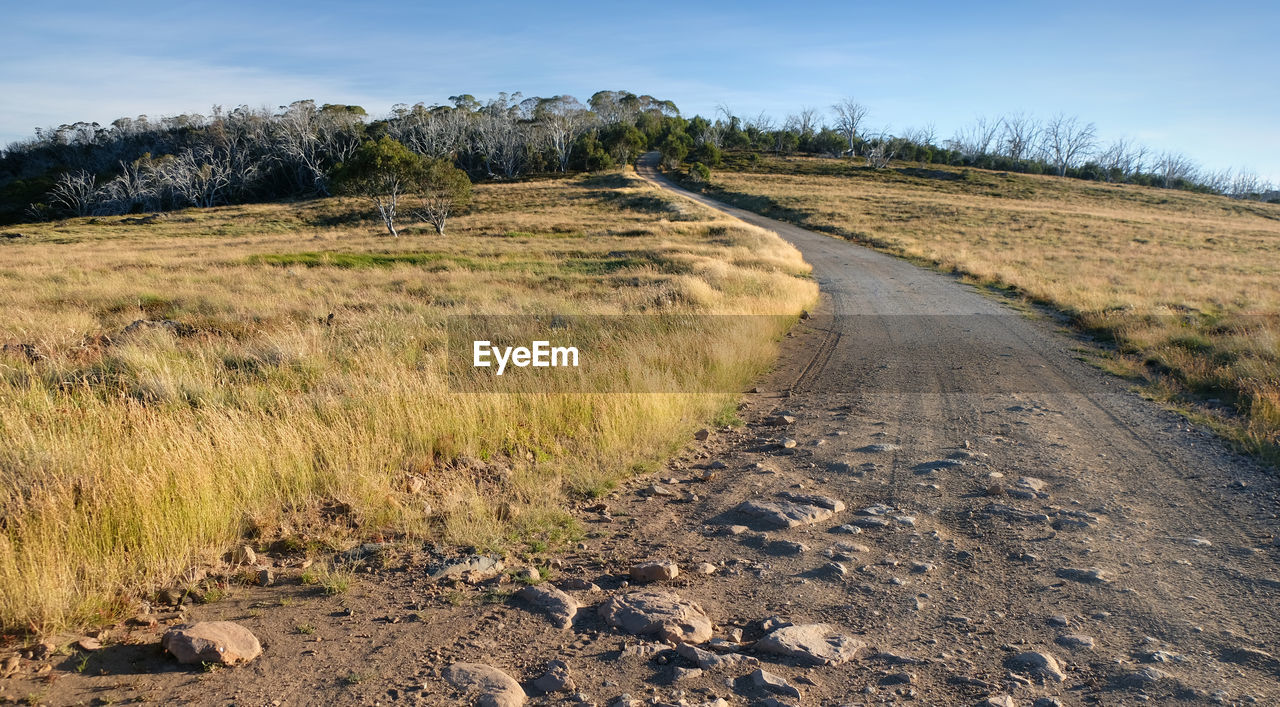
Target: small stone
89	644
266	577
702	434
556	679
658	613
1038	663
999	701
784	514
221	642
921	567
879	448
488	686
560	608
1032	484
736	529
815	644
789	443
1144	677
1059	620
656	490
244	555
773	683
646	572
706	568
528	575
478	567
788	547
415	485
683	674
903	678
1076	641
1090	575
779	420
579	584
711	661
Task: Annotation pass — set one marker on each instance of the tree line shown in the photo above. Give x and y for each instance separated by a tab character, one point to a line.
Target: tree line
247	154
299	150
1062	145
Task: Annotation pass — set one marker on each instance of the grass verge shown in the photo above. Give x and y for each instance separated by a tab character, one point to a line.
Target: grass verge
298	393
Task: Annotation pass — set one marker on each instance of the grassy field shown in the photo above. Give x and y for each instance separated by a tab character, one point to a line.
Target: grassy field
299	393
1187	286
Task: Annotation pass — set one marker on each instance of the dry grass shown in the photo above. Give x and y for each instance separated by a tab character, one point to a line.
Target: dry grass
1186	285
127	459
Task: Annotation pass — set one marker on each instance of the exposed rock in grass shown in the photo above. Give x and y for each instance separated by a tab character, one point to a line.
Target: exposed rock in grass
214	642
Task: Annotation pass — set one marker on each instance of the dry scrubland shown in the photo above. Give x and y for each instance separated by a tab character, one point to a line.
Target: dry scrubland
129	458
1187	285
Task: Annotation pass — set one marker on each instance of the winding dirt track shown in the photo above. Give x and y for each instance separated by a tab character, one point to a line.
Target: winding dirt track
908	390
902	355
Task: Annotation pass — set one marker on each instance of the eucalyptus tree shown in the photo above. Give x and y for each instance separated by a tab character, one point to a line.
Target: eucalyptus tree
850	115
441	191
383	172
561	119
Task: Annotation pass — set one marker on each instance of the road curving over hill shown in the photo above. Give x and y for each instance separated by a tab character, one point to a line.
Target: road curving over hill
1020	464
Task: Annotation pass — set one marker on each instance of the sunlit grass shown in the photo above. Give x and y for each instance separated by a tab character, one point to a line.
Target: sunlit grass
306	374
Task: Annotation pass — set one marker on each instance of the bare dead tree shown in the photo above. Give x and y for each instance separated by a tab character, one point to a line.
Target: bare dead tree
502	142
136	187
805	122
849	116
437	133
1122	157
200	178
1174	167
882	149
1019	135
1067	141
974	140
1248	185
76	192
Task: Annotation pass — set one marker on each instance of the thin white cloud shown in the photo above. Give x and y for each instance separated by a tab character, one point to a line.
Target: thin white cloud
50	91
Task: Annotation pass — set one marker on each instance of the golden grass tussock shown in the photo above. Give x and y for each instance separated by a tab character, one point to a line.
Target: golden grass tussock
1186	285
299	393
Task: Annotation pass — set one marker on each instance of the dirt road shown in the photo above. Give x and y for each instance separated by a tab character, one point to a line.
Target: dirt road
974	514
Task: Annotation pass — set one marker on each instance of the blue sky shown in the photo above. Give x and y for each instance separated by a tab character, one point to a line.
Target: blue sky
1176	76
